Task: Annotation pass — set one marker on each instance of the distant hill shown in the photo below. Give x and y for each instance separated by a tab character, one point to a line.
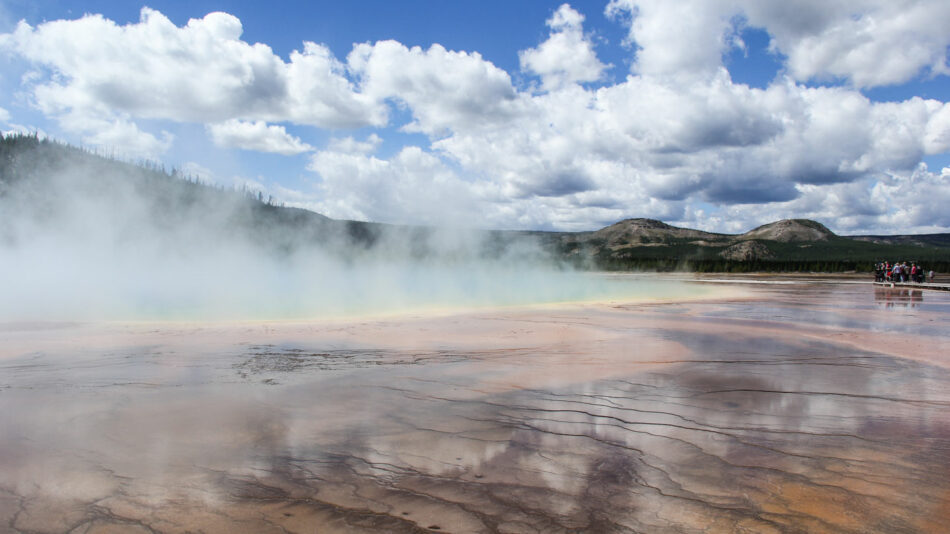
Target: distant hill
49	185
786	245
919	240
634	232
790	231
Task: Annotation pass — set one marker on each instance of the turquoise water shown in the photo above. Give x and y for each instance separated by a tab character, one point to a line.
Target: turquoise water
233	284
311	294
387	291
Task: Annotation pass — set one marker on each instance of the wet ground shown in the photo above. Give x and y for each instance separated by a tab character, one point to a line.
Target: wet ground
805	407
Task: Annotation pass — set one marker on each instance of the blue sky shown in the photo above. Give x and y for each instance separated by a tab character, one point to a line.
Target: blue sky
537	115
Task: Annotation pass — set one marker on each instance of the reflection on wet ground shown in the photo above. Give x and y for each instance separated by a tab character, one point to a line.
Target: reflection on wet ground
806	408
891	297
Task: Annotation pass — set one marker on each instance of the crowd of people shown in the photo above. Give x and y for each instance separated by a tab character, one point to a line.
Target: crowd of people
901	272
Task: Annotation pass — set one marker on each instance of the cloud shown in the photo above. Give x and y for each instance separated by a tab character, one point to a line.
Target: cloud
256	135
937	134
445	90
919	200
4	115
704	140
870	42
567	56
198	171
866	42
349	145
22	129
414	186
201	72
677	139
679	40
117	134
906	202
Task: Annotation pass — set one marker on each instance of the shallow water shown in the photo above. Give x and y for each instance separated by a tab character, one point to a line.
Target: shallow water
327	294
804	407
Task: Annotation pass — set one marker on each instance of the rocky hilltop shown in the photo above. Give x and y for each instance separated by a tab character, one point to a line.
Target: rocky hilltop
747	251
786	245
639	232
790	231
624	237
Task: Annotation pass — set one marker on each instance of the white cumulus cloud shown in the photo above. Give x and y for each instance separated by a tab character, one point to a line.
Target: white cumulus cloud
349	145
116	133
683	39
677	139
567	56
201	72
256	135
414	186
866	42
445	90
869	42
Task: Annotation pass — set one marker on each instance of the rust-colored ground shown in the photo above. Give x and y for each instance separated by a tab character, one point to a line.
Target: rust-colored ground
809	407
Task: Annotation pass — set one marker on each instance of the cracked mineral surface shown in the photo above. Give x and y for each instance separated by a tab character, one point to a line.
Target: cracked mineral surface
815	406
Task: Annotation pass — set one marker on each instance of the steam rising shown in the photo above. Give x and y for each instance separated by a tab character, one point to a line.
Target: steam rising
87	238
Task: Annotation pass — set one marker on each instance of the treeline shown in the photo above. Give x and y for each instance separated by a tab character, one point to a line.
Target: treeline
837	254
31	157
749	266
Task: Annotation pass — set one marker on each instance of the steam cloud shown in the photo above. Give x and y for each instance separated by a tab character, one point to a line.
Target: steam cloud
87	238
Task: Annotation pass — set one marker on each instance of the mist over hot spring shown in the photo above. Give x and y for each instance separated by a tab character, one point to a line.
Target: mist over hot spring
83	237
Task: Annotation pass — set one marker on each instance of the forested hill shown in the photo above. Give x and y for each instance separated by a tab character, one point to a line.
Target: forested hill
47	181
793	245
49	187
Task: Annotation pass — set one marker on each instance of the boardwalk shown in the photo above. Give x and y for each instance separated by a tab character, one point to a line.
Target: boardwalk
912	285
